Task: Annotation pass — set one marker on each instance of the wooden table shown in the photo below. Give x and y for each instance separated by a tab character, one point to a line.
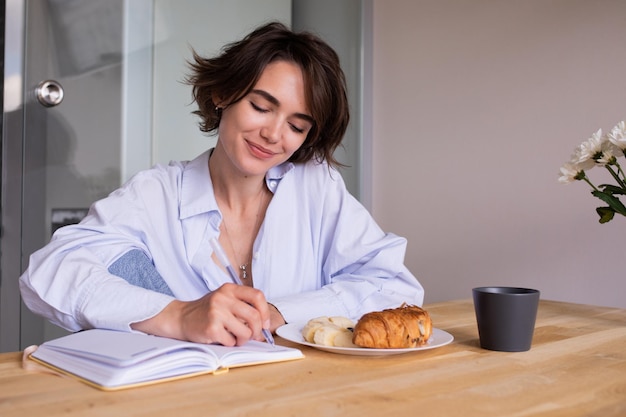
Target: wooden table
576	367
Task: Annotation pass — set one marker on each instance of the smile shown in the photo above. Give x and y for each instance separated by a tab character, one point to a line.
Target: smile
260	151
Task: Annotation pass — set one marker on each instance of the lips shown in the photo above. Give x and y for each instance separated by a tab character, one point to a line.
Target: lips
260	151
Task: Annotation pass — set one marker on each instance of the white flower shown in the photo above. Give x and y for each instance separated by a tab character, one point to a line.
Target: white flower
607	158
598	149
581	159
570	172
591	148
617	136
603	151
582	162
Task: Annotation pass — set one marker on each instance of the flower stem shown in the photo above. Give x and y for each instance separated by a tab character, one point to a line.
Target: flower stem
589	182
619	170
620	182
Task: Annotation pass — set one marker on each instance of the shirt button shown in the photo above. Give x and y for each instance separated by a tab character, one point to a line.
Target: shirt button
255	255
272	184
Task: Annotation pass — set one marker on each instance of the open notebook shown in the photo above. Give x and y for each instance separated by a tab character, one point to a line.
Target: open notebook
112	360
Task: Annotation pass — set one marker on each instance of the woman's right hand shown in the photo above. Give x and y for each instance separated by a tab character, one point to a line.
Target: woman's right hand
231	315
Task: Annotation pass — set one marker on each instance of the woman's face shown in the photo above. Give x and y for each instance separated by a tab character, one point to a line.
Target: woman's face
270	123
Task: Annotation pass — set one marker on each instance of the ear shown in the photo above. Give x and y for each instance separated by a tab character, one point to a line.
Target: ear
217	101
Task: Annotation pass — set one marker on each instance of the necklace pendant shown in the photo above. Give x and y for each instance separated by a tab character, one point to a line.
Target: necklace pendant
244	273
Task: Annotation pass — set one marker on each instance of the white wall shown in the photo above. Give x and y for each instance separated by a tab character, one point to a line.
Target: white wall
476	106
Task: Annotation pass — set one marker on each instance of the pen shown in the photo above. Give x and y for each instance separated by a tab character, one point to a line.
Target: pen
221	256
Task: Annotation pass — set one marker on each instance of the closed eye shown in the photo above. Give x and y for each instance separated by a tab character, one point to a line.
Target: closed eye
296	128
258	108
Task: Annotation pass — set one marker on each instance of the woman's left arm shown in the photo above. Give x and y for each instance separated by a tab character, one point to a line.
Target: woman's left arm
362	267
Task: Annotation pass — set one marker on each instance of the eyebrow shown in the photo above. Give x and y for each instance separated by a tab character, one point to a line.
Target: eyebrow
267	96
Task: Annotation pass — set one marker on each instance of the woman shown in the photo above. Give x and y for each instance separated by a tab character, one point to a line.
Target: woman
269	192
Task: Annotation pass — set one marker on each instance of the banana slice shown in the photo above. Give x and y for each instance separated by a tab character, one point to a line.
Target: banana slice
329	331
309	330
342	322
344	339
326	335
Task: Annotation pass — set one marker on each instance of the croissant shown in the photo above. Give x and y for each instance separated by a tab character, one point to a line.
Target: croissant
404	327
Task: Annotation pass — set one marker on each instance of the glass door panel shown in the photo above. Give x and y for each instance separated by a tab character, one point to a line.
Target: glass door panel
72	129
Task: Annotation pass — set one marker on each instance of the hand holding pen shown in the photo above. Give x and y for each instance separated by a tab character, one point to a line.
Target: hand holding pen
223	259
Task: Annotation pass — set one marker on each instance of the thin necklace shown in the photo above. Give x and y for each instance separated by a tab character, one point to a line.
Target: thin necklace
243	267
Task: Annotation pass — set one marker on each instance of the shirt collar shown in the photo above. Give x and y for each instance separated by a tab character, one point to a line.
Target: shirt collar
197	194
278	172
196	188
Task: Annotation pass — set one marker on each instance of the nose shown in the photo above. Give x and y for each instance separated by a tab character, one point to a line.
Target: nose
271	130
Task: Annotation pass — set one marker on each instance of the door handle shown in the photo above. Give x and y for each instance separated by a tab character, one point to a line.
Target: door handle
49	93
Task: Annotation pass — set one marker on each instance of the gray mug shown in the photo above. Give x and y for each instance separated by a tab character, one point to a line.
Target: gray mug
505	317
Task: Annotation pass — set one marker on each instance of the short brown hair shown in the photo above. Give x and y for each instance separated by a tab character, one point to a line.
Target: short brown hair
232	74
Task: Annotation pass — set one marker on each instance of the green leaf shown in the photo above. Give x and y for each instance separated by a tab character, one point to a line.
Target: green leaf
606	214
612	189
613	202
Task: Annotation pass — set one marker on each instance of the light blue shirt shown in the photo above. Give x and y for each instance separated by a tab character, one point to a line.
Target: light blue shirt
318	252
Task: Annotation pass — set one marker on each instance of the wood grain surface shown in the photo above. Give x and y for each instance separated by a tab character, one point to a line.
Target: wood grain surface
576	367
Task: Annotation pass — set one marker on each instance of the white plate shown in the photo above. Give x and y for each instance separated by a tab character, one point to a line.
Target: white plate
293	333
